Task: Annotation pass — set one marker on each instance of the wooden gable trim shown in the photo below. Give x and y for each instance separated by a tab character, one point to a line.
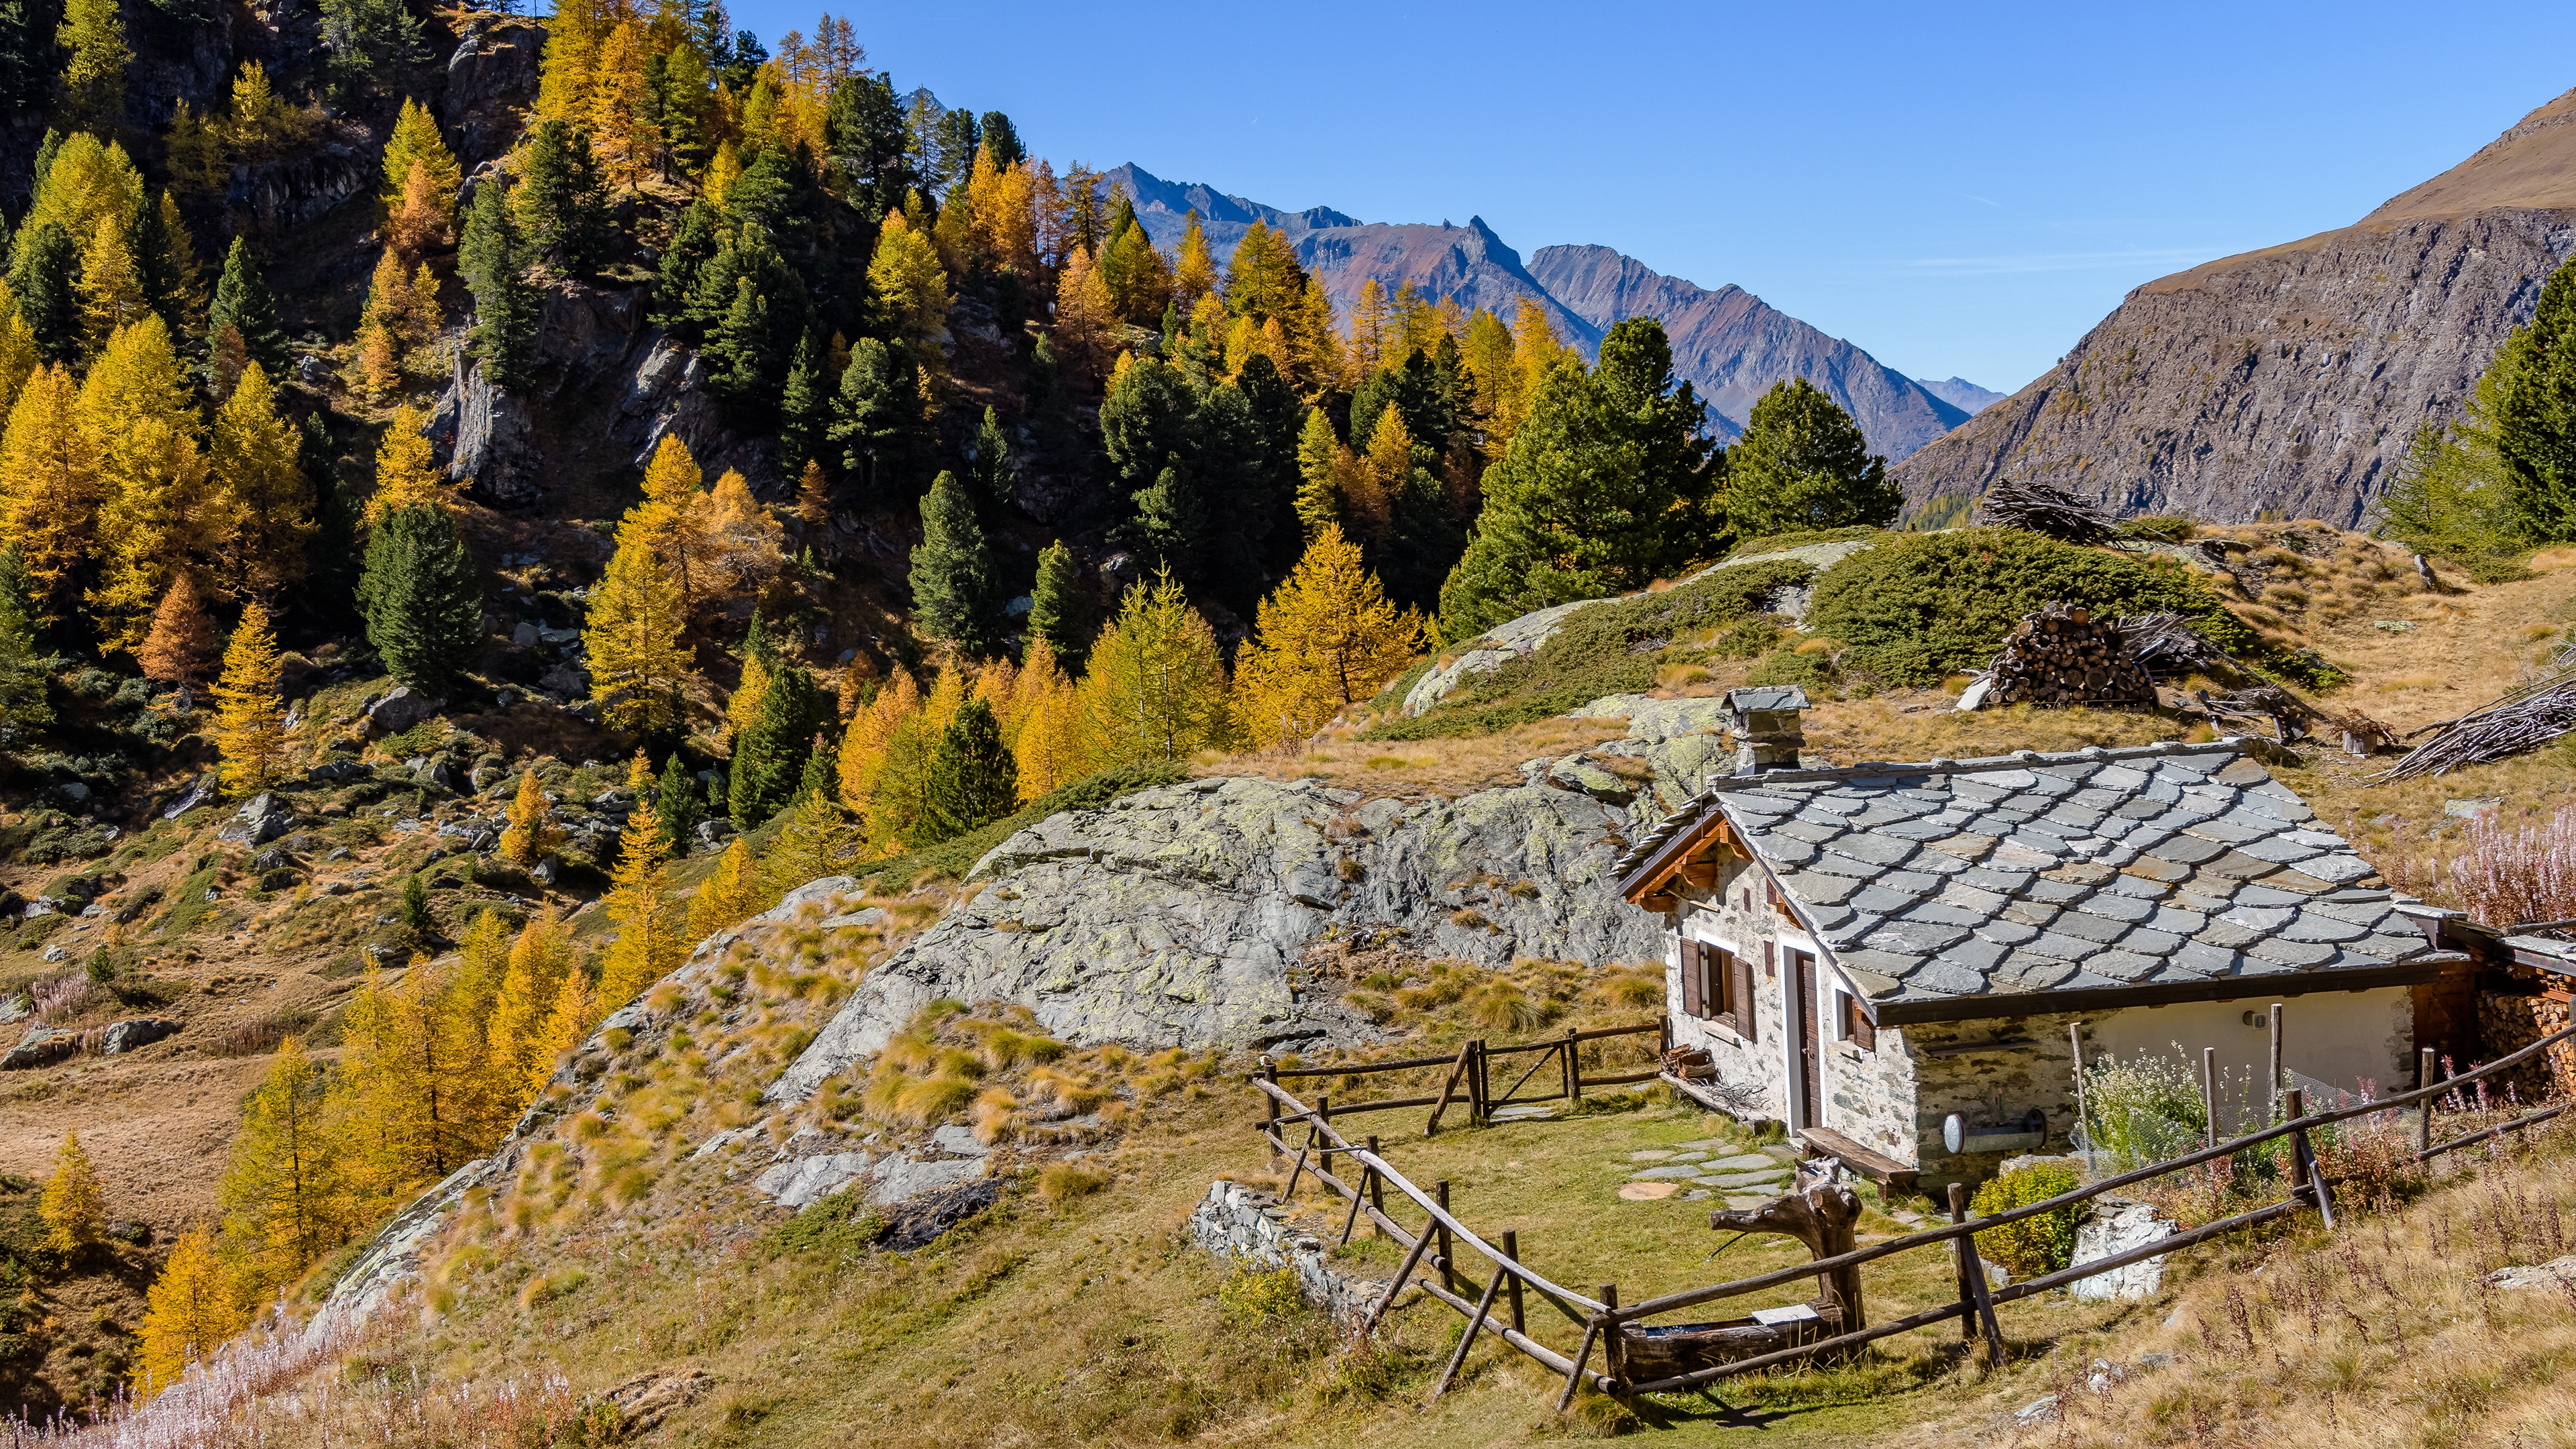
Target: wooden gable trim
1692	855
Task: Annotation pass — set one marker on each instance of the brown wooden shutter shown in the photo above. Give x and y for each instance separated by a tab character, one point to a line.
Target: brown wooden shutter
1770	961
1691	977
1744	1012
1860	1031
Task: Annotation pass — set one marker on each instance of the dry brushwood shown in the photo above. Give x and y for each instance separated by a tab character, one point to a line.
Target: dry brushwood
2525	719
2010	503
2060	657
2167	646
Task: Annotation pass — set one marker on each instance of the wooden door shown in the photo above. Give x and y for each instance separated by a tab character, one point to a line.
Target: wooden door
1802	995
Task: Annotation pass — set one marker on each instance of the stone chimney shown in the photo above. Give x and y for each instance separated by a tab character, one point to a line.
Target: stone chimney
1765	723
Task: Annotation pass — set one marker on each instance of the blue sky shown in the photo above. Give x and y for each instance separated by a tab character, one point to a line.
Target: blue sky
1957	189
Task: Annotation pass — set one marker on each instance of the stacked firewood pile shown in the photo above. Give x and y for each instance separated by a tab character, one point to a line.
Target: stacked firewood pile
2043	509
2062	656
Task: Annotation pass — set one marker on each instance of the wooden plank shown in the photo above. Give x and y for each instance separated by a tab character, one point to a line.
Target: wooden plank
1539	1351
1619	1080
1395	1285
2486	1134
1973	1268
1475	1322
2111	998
1876	1166
1363	1069
1447	1088
1574	1374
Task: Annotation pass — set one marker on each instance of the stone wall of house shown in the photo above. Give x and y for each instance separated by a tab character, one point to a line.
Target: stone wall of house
1990	1073
1718	917
1870	1095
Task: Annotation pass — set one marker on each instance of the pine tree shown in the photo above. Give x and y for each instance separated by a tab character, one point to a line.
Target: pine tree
531	834
1803	464
2534	421
406	476
242	303
676	808
562	200
769	756
876	415
250	718
730	896
990	469
1327	638
648	945
189	1312
361	37
973	779
336	550
421	601
23	706
492	260
50	489
416	141
165	257
638	663
281	1190
952	570
44	277
804	404
260	494
93	80
183	646
1156	688
1059	610
138	411
74	1209
1608	484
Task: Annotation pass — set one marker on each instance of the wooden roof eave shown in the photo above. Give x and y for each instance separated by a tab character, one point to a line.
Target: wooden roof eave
1651	873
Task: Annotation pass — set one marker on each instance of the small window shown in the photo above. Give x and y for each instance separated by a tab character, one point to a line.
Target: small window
1855	1027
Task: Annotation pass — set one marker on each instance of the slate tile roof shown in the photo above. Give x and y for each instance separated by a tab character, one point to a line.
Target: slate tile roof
2101	868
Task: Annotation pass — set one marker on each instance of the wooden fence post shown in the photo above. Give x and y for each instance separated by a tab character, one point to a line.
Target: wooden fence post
1323	1133
2424	1109
1447	1088
1376	1184
1573	1067
2303	1161
1448	1250
1512	1250
1270	1124
1613	1342
2209	1096
2083	1113
1475	1325
1476	1083
1973	1273
2272	1092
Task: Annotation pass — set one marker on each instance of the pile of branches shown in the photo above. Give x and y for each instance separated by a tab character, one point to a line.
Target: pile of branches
2166	646
2040	508
2525	719
2062	656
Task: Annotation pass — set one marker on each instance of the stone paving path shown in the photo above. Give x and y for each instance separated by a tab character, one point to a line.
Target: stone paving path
1747	1179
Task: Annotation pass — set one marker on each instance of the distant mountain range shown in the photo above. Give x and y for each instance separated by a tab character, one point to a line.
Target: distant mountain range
1962	394
2290	381
1727	343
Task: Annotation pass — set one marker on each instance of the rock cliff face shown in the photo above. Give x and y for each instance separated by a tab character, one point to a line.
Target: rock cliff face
2291	379
1732	346
1172	916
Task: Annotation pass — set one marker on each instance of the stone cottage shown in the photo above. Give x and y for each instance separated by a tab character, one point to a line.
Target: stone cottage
1867	952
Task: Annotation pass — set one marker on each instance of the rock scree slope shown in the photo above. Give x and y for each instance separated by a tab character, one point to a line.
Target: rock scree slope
2291	378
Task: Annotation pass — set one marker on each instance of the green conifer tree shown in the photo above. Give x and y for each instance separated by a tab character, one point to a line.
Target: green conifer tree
338	546
242	303
44	277
952	570
419	596
876	416
1803	464
676	807
23	707
973	778
562	200
492	259
2534	426
804	407
1059	611
769	755
991	467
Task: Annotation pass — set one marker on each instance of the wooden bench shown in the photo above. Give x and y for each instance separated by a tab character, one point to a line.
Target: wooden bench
1886	1171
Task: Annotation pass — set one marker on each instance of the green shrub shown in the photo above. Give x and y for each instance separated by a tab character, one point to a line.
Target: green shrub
1248	1298
1916	608
1750	639
842	1225
2034	1245
2158	528
2145	1109
1776	542
1788	666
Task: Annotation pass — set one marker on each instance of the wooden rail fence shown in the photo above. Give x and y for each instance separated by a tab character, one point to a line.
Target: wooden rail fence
1471	1068
1433	1248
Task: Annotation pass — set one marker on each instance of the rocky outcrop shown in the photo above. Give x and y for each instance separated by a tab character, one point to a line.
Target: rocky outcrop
1732	346
490	75
2290	379
1172	916
1251	1229
487	439
1486	653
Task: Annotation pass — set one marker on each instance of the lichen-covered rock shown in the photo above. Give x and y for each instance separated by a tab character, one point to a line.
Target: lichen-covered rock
1171	916
1486	653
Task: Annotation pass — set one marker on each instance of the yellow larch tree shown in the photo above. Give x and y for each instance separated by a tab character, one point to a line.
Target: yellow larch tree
1327	636
675	519
1049	746
626	137
567	70
407	475
906	274
111	283
399	321
871	729
731	894
748	546
19	358
1085	316
416	142
1156	686
437	1115
530	986
814	839
141	416
648	945
1194	275
282	1191
49	489
188	1313
74	1207
483	957
638	662
421	219
1368	330
250	718
93	78
89	181
568	1022
531	834
262	500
